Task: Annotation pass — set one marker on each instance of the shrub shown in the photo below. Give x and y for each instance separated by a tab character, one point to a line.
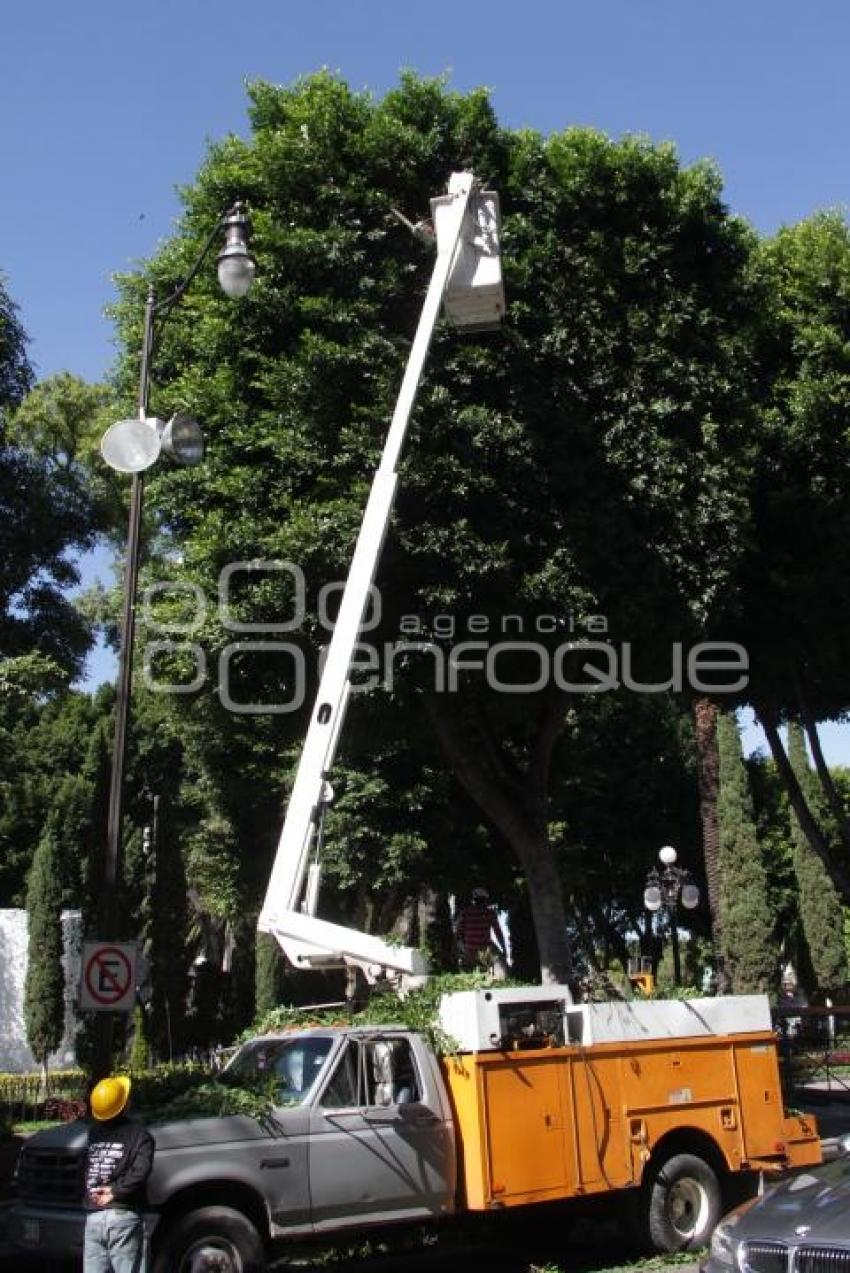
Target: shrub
66	1111
21	1095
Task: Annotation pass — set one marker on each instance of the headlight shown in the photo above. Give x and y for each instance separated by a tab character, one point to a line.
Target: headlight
723	1240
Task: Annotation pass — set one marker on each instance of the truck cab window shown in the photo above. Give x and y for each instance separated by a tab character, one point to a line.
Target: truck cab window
290	1066
373	1072
392	1071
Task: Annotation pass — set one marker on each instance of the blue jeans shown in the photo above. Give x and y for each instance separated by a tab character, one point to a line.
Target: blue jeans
115	1242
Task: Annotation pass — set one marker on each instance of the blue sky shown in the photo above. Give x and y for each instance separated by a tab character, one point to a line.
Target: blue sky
107	109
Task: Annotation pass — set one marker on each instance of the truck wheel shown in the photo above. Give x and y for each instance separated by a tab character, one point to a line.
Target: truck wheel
211	1238
683	1203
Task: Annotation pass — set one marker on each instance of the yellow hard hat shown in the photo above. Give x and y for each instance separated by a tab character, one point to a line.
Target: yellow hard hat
109	1097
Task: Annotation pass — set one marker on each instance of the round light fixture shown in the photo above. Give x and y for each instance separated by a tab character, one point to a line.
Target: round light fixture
668	854
690	896
652	897
130	446
182	440
235	273
236	267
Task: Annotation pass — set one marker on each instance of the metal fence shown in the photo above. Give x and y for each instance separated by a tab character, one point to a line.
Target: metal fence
23	1096
814	1048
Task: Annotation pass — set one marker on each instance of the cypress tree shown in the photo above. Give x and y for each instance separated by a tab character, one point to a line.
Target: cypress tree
270	973
140	1049
95	774
154	858
44	990
747	930
821	912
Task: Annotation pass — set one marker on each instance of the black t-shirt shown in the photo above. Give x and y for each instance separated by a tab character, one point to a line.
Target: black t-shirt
120	1154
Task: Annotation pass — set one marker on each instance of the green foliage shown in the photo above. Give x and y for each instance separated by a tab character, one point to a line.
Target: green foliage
44	988
670	991
156	876
16	374
749	943
612	414
46	509
415	1010
213	1099
270	982
140	1057
821	912
19	1087
26	1096
61	422
796	583
650	1263
40	521
190	1091
44	739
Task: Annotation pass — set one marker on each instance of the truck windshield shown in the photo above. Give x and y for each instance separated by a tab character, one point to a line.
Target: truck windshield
292	1065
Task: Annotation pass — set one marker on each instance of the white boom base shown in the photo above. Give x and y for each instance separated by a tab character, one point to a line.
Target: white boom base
309	942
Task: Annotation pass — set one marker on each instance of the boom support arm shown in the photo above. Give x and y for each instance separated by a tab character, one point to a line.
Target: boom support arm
306	940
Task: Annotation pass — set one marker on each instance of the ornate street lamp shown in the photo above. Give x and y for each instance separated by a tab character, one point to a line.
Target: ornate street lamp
132	446
666	890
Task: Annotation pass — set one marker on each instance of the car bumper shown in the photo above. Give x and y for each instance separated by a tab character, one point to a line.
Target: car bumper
56	1232
46	1231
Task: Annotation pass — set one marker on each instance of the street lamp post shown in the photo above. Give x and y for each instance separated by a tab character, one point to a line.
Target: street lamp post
666	889
132	446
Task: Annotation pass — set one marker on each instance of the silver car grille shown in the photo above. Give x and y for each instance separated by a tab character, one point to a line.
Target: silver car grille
822	1259
777	1257
765	1257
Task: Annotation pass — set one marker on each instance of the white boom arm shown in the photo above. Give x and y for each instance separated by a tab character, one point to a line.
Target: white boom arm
306	940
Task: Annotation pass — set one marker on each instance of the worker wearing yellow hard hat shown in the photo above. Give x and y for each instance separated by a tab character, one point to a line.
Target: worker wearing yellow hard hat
119	1159
109	1097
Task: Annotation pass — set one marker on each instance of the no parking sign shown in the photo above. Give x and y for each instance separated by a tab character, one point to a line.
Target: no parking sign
108	978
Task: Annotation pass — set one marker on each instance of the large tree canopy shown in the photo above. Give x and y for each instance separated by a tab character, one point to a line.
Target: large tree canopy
591	458
45	512
15	371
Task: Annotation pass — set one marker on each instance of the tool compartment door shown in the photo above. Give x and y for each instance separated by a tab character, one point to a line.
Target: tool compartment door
525	1129
760	1099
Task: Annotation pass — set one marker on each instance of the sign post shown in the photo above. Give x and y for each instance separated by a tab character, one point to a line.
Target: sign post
108	977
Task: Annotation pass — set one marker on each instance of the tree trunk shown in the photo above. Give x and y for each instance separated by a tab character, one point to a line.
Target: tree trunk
829	789
769	722
708	776
515	802
547	907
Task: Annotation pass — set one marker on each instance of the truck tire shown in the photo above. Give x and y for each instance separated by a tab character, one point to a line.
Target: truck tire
211	1237
682	1204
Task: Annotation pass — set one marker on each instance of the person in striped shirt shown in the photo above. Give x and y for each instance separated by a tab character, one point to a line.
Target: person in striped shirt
480	936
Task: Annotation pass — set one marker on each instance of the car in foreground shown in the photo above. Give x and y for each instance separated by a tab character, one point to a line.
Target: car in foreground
800	1226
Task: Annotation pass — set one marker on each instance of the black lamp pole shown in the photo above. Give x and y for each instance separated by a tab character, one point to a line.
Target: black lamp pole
235	270
664	890
108	911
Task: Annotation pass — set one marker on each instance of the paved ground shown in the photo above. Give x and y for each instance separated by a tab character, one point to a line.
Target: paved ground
830	1104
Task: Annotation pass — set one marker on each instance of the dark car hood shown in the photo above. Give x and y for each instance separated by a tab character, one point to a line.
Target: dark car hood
178	1133
819	1199
68	1136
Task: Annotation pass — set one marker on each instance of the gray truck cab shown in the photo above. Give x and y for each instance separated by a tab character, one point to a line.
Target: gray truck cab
360	1134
